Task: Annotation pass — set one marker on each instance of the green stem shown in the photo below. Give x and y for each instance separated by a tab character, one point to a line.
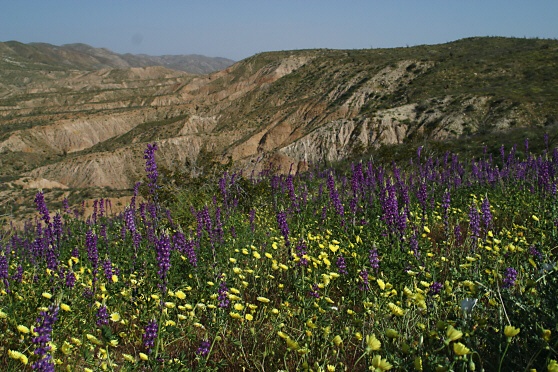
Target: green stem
503	356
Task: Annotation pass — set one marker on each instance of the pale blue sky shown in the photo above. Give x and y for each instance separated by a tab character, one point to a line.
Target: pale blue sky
237	29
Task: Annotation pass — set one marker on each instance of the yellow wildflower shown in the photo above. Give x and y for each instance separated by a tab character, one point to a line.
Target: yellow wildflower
338	341
372	343
128	358
181	295
115	317
3	315
546	334
235	315
292	344
46	295
238	307
18	356
249	317
143	356
453	334
23	329
283	335
262	299
552	366
381	364
511	331
396	310
460	349
65	307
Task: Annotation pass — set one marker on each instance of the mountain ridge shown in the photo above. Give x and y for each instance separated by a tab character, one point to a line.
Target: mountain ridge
85	57
287	107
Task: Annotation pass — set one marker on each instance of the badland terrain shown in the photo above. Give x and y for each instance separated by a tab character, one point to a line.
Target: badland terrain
75	119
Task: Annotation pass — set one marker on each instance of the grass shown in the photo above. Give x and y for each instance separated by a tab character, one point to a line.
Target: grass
444	263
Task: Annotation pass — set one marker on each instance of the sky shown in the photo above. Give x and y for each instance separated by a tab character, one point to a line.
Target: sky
238	29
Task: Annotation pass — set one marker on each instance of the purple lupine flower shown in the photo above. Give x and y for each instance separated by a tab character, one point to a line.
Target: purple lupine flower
301	252
94	215
18	275
163	258
364	285
44	334
185	247
510	276
334	195
150	335
66	206
92	252
102	316
4	271
223	296
151	166
435	288
282	222
314	291
204	348
474	224
486	214
70	279
374	259
42	207
107	269
342	265
535	253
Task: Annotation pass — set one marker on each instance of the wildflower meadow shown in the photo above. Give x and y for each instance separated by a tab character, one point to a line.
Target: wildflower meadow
434	264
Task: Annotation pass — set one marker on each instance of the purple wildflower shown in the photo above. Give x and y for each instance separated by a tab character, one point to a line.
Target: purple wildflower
282	221
314	291
107	269
4	271
301	252
364	285
435	288
42	207
223	295
535	253
486	214
474	224
44	334
204	348
70	279
102	316
374	259
150	335
342	265
151	166
163	258
510	276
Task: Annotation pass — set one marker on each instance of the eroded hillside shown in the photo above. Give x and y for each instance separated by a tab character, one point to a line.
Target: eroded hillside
76	128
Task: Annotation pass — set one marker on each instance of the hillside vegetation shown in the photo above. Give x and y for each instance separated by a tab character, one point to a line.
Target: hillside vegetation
437	263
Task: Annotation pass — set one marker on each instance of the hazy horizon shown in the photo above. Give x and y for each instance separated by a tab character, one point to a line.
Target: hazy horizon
239	29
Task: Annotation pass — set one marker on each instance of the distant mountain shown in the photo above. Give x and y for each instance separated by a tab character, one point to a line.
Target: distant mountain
88	128
85	57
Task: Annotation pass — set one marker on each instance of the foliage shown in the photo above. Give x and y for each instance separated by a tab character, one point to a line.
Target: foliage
447	263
